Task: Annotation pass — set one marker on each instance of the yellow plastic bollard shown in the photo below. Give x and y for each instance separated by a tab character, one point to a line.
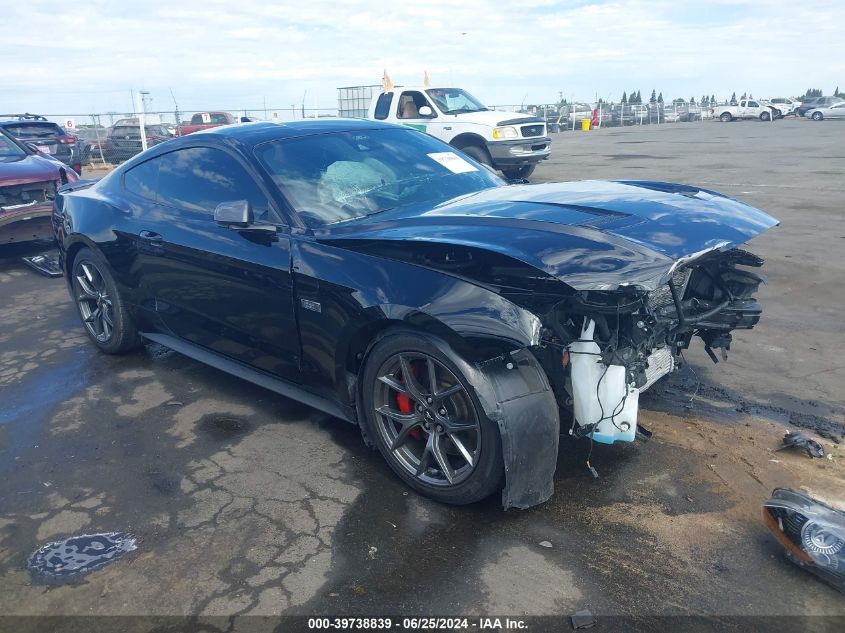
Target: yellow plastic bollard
585	125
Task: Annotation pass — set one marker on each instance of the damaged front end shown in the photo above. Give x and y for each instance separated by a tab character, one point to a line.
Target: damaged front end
601	349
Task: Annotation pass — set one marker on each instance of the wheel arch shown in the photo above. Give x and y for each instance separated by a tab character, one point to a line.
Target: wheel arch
72	250
467	139
515	393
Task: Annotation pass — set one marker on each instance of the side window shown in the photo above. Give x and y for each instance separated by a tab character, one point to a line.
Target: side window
409	105
200	178
142	180
383	106
219	118
753	104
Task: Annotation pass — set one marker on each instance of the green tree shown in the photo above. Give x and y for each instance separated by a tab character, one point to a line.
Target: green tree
712	100
836	92
624	97
660	98
639	97
733	98
692	100
653	97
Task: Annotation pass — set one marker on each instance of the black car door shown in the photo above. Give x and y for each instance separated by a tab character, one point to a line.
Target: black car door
226	289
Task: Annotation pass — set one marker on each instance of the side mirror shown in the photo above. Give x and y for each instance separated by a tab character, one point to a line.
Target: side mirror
236	213
426	111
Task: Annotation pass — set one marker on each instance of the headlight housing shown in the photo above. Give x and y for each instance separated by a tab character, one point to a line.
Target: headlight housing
507	131
812	532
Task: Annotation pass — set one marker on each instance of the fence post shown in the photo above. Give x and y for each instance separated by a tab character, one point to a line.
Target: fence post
141	121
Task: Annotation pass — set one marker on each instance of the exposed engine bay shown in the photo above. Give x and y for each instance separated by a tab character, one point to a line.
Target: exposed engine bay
602	349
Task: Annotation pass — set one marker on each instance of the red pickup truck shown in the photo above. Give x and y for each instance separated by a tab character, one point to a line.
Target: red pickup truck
204	121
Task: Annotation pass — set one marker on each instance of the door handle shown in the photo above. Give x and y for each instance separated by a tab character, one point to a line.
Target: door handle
151	236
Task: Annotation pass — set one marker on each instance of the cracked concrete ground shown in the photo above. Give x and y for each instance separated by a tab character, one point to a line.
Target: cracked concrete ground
245	502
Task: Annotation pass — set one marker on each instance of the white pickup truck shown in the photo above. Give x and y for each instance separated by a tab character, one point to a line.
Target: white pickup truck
508	141
747	109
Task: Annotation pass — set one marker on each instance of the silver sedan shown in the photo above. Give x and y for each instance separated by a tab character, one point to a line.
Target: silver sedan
833	111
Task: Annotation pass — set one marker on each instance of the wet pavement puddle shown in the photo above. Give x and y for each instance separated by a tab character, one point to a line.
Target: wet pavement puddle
66	560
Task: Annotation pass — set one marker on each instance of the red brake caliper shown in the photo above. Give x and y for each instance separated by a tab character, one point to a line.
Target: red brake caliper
406	405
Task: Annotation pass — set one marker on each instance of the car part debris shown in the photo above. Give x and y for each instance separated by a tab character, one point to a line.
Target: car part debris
44	264
546	544
583	619
78	555
812	532
798	440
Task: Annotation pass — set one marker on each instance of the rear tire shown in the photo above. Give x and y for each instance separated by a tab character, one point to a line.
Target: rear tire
725	117
817	116
446	449
519	172
765	116
103	311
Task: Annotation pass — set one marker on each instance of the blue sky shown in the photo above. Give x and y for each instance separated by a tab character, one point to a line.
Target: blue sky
237	55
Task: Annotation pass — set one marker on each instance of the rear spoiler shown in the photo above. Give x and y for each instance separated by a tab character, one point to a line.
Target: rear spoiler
78	185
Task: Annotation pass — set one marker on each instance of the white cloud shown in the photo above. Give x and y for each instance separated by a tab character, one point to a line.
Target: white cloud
224	54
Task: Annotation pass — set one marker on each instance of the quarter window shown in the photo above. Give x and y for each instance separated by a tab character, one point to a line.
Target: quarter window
383	106
142	179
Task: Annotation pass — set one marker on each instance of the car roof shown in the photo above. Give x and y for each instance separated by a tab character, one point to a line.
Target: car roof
21	122
259	132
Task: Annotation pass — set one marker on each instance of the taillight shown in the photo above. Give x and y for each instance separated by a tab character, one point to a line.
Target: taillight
67	140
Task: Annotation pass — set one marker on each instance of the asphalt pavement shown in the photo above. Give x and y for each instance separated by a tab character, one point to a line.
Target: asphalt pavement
245	502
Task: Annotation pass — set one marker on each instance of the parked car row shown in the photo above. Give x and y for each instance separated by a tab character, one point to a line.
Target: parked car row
618	114
29	180
122	141
817	103
50	138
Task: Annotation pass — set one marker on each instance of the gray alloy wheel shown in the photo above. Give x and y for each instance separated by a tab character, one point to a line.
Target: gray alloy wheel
726	116
104	314
93	300
817	116
765	116
426	418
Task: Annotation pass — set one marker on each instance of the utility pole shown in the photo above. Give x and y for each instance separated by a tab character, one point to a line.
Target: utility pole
176	112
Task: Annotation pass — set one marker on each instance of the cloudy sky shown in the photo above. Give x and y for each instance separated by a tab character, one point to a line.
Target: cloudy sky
78	57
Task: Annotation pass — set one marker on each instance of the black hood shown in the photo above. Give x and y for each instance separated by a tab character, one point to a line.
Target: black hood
592	235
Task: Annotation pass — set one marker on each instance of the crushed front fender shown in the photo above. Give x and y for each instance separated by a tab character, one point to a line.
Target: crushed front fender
515	393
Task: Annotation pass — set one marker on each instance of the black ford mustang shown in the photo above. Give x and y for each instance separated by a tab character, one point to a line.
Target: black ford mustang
375	273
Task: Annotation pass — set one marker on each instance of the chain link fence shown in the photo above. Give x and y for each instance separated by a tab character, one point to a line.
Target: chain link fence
109	138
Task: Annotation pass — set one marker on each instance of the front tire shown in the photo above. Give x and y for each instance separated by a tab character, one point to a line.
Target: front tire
479	154
104	313
817	116
725	117
427	422
514	173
